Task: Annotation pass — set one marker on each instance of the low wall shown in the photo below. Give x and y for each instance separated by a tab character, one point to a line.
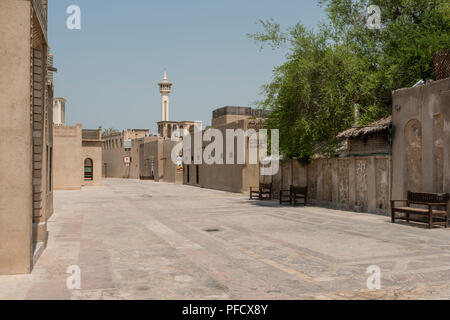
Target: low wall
353	183
291	172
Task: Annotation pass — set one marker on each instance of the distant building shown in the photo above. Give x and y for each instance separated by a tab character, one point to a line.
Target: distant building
59	111
135	154
77	157
373	139
121	153
77	152
167	128
229	114
155	160
227	177
165	87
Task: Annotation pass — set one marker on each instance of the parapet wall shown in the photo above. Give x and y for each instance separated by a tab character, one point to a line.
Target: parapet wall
352	183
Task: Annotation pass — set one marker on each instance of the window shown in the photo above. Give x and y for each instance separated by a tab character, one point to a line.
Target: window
88	170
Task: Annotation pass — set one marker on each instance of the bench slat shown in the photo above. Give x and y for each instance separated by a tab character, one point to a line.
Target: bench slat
431	200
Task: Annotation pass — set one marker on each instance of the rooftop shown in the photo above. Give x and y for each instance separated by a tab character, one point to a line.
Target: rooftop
236	110
380	125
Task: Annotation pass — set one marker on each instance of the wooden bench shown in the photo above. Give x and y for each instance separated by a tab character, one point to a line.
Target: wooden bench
293	194
264	191
432	205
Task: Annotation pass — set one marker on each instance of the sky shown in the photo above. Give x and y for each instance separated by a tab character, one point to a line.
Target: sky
109	69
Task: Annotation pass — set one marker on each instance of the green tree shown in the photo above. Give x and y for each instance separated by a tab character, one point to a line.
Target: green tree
344	65
109	131
401	52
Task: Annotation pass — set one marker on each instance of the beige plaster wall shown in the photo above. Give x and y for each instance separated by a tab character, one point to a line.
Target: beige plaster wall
353	183
421	139
151	150
113	153
160	150
227	177
92	150
15	138
115	166
67	158
170	168
291	172
226	119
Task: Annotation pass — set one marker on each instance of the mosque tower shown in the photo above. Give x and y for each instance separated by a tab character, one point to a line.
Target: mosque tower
165	88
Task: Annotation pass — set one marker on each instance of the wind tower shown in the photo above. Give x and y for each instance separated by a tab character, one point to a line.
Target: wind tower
165	87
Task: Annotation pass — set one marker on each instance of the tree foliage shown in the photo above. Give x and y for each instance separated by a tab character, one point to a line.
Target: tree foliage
109	131
344	65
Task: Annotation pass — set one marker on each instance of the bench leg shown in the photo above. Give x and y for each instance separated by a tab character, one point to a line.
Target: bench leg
446	221
392	216
407	217
430	221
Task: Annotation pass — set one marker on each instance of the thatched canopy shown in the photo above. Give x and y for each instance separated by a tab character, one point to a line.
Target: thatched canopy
380	125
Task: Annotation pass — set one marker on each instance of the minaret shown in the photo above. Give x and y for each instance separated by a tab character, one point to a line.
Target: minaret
59	111
165	87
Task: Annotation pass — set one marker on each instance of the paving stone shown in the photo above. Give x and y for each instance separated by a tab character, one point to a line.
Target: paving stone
144	240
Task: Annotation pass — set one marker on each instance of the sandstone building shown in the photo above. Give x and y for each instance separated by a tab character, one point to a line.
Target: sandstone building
421	146
135	154
121	153
77	153
26	200
228	177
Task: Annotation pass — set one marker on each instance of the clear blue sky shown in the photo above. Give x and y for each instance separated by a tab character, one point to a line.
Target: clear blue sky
109	70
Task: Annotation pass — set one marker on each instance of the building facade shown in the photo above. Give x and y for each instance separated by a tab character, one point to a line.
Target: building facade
421	145
155	160
26	201
228	114
165	87
120	153
227	177
167	128
135	154
358	178
77	157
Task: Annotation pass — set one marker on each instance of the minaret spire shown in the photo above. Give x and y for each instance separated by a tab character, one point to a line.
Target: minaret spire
165	87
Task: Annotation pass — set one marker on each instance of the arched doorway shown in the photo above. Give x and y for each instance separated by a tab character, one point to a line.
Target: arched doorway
88	170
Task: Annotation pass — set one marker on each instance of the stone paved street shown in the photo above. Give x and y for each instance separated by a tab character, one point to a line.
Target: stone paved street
145	240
